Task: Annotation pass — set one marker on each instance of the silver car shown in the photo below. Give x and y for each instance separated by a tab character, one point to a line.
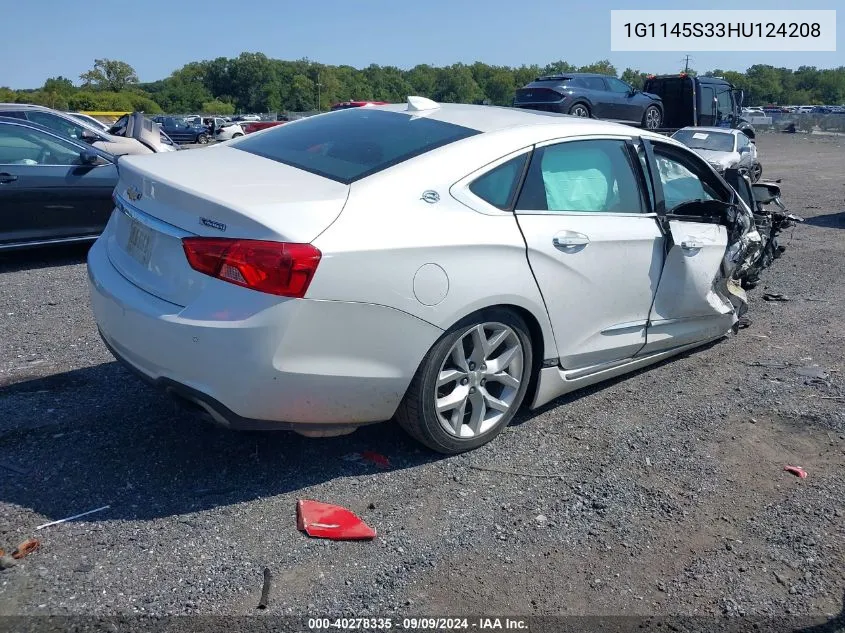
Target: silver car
723	148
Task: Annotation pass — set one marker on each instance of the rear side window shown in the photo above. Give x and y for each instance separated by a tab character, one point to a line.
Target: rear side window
349	145
498	186
582	176
594	83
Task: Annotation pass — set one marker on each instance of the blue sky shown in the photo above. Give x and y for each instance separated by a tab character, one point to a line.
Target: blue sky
44	38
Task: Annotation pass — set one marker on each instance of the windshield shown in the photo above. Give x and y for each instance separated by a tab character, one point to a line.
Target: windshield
713	141
348	145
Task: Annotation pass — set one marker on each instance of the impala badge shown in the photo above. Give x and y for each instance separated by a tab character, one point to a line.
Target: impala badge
133	193
214	224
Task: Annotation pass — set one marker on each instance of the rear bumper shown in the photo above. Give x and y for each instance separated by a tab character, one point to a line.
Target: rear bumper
280	364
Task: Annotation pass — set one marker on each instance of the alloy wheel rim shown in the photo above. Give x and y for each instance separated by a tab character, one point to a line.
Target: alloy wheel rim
652	119
479	380
580	111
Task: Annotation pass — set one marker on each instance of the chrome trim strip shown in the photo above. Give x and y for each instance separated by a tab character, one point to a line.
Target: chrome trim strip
149	221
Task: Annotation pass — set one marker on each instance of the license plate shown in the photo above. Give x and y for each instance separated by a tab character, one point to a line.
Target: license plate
140	242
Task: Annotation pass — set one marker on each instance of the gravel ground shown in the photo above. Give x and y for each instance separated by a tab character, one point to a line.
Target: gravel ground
661	493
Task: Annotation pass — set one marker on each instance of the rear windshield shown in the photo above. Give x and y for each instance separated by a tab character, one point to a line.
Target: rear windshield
349	145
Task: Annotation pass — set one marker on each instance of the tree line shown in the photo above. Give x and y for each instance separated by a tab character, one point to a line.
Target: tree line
253	82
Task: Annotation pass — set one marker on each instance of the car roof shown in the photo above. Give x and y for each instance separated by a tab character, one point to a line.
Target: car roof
497	118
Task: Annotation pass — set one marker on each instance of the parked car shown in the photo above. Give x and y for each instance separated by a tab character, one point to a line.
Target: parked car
247	117
181	131
723	149
229	131
65	125
52	189
343	105
699	101
227	288
95	123
753	112
254	126
592	95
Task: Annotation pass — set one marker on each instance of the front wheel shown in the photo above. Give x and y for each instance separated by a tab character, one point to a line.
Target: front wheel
652	118
202	139
470	384
756	172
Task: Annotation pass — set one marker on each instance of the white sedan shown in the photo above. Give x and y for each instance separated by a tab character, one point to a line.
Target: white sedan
439	265
228	131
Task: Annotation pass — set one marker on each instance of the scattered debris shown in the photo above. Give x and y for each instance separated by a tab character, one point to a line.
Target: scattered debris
26	548
324	520
743	323
376	458
7	562
774	296
75	516
265	590
796	470
369	456
812	372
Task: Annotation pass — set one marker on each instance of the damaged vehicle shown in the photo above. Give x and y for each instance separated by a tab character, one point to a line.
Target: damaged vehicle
723	148
479	258
771	217
115	142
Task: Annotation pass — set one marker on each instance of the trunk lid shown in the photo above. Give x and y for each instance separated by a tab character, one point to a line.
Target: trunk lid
214	192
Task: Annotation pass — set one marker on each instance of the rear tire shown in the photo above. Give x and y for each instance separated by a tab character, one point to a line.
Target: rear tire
236	135
202	139
652	118
756	172
580	110
450	406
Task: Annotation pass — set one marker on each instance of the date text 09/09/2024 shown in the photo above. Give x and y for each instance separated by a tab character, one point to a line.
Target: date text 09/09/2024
417	624
723	29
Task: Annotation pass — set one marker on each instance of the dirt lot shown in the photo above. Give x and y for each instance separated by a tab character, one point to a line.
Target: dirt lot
661	493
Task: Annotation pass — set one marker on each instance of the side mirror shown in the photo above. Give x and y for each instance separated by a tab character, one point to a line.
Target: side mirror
89	137
701	210
89	158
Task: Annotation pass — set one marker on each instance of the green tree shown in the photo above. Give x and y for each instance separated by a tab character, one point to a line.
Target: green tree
634	77
559	67
109	74
7	95
217	107
603	67
59	85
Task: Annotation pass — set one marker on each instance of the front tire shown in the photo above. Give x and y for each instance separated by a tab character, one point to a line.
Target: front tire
756	172
202	139
470	384
652	118
580	109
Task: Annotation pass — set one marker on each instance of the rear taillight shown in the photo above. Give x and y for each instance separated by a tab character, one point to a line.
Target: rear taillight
274	267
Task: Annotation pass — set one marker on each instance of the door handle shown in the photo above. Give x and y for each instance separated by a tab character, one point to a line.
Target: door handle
7	178
690	244
568	239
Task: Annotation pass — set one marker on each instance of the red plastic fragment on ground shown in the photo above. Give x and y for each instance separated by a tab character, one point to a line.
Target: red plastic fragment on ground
796	470
376	458
323	520
25	548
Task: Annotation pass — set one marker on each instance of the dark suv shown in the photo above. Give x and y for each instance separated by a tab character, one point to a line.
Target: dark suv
592	95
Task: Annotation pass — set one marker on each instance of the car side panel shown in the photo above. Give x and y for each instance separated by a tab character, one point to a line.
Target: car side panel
437	261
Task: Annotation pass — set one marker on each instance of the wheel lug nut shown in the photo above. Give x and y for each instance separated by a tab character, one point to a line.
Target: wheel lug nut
472	389
464	381
472	366
483	382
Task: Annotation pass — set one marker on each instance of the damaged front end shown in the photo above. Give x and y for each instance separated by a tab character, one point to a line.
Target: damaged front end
759	250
